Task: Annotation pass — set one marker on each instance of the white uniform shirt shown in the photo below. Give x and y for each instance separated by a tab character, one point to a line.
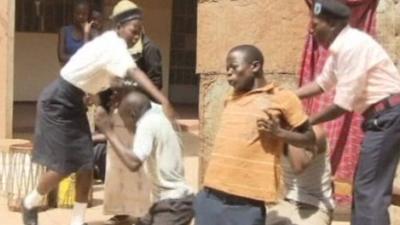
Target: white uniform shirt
157	143
92	67
361	70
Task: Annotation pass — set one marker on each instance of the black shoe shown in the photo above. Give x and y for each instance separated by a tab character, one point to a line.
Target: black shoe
29	216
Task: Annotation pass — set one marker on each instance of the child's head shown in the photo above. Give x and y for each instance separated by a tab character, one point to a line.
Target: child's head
244	64
81	11
97	18
132	107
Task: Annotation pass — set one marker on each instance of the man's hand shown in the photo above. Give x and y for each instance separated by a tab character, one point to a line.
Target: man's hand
269	124
103	120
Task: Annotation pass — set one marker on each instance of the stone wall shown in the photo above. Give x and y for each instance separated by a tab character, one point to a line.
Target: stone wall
278	28
388	27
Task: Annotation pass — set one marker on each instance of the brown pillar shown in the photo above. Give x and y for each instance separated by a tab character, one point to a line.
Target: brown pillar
7	9
278	28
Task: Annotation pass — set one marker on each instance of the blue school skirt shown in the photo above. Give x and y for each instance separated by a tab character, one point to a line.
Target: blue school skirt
62	139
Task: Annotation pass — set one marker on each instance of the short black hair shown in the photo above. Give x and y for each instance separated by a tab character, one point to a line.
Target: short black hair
252	53
82	2
137	101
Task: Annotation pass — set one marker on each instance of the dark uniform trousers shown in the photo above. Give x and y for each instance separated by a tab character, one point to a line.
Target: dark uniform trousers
376	168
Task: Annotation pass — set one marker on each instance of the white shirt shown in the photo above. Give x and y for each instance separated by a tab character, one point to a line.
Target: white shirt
361	70
157	143
94	64
313	186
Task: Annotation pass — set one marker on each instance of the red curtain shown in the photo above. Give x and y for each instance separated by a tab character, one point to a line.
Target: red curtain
344	133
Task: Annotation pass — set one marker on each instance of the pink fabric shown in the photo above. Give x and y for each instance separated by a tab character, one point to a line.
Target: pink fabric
355	65
344	133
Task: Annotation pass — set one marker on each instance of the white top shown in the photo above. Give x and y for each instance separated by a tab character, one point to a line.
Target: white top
95	63
157	143
313	186
361	70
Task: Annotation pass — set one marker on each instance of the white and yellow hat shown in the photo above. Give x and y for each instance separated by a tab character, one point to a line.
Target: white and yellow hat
126	10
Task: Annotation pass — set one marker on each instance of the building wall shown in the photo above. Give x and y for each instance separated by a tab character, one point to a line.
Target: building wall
388	25
278	28
6	66
36	64
36	60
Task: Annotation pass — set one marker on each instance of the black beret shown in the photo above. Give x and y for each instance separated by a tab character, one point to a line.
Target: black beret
128	15
331	9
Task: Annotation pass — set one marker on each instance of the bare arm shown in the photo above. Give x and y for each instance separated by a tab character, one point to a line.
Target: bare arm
87	26
63	57
309	90
124	154
141	78
103	122
303	136
330	113
301	158
98	137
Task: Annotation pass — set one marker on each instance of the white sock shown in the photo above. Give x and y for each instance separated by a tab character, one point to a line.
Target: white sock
33	199
78	213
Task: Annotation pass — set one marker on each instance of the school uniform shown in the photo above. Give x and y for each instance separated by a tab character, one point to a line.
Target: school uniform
62	140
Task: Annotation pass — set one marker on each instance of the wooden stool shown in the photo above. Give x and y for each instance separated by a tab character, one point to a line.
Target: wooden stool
23	176
5	160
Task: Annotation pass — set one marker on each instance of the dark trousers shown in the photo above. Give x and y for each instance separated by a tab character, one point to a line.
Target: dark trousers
216	208
170	212
376	168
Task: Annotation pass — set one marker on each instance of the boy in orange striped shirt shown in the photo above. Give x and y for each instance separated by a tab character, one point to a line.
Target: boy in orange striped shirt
243	171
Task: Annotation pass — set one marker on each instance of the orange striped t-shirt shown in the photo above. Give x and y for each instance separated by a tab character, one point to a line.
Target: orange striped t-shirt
243	162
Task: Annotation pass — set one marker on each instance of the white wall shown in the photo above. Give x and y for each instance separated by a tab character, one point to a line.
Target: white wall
35	64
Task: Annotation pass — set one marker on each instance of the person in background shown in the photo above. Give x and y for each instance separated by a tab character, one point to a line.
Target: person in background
98	23
72	37
147	56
